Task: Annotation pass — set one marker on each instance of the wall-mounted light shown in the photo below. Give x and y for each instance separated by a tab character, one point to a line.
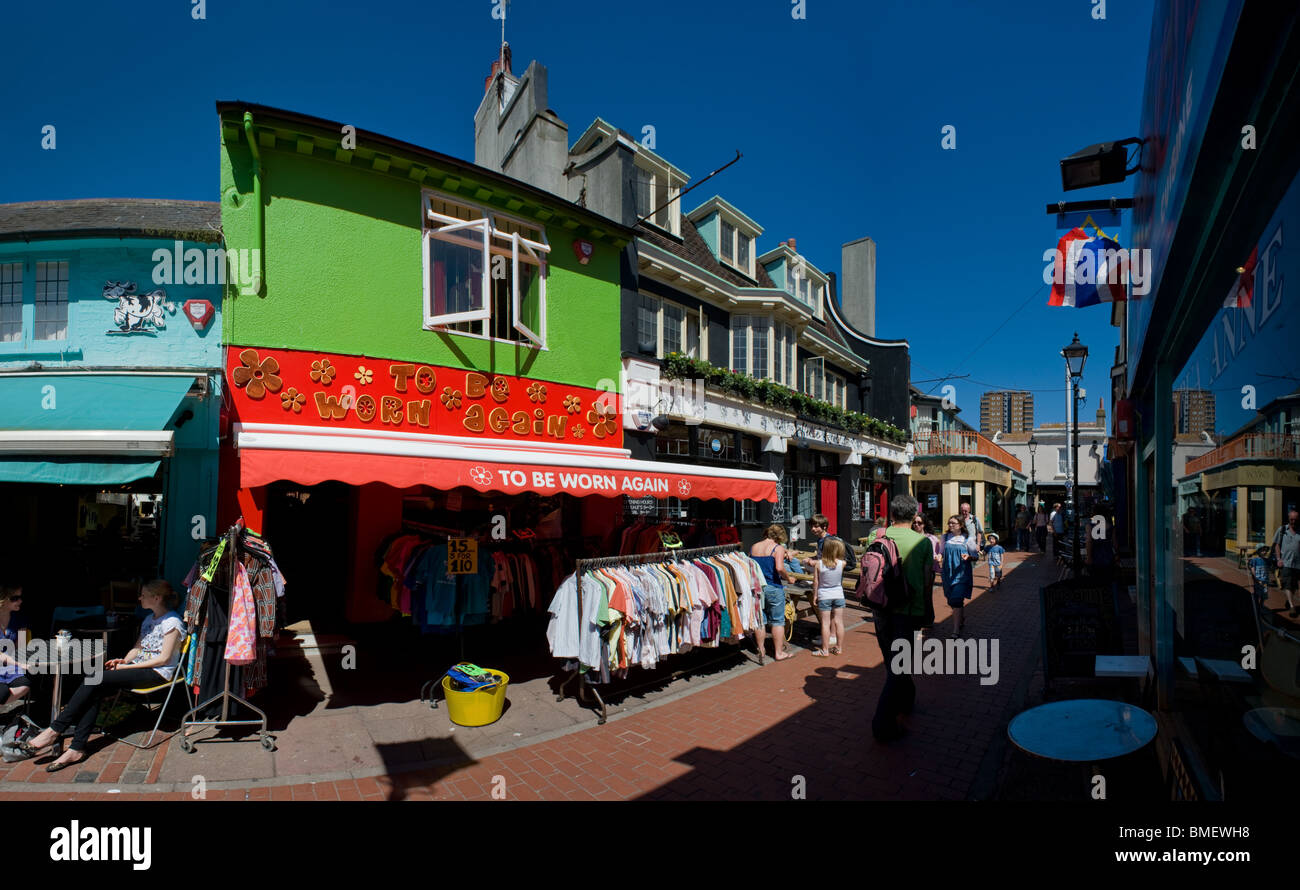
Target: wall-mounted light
1099	164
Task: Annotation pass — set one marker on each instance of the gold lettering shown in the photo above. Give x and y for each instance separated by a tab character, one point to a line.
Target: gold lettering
365	408
329	407
555	425
474	418
424	380
498	420
475	385
390	410
400	375
418	412
521	423
539	424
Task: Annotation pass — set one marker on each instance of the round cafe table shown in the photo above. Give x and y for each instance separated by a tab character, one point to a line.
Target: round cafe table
1084	730
57	661
1276	726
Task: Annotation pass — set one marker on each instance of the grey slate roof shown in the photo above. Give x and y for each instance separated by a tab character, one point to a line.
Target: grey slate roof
114	217
693	249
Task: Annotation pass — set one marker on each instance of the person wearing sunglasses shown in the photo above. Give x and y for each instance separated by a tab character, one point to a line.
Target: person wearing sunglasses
14	682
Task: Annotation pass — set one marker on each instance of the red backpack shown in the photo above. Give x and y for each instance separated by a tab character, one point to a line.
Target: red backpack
881	583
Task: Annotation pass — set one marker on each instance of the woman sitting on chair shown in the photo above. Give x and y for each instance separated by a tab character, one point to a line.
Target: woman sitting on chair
13	679
153	659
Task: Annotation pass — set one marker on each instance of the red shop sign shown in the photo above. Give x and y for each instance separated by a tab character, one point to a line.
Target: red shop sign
312	389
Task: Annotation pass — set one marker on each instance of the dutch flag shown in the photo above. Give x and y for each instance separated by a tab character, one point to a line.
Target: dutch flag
1088	271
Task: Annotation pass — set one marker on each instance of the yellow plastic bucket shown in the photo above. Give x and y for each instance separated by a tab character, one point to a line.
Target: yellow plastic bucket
479	707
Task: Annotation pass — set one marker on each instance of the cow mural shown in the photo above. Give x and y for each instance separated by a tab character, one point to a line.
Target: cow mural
137	313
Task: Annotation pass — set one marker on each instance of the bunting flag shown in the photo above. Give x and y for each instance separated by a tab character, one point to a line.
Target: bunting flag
1088	271
1243	289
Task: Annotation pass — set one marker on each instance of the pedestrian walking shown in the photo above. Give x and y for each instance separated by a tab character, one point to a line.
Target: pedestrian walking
900	622
1286	550
830	596
1022	528
923	526
1040	527
1058	529
971	524
1260	565
994	551
959	553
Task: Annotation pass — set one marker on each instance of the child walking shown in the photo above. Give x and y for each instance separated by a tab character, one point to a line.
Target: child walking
1260	565
994	551
830	596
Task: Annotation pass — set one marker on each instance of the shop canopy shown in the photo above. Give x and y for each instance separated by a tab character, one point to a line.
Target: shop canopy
82	428
402	461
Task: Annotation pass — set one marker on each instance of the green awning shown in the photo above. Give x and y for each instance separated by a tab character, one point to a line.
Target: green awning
90	401
70	471
87	429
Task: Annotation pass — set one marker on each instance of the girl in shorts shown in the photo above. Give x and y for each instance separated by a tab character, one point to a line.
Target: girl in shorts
830	595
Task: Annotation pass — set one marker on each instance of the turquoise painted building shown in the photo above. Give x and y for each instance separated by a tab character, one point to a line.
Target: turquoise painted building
110	394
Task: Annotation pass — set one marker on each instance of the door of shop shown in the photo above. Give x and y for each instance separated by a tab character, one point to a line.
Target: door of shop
307	527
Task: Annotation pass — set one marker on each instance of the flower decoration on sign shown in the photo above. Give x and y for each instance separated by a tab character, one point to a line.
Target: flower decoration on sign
572	404
683	488
292	400
322	371
537	393
481	475
364	375
577	432
450	397
258	376
602	419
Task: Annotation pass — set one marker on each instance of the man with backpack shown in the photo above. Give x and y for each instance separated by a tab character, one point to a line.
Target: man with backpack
905	587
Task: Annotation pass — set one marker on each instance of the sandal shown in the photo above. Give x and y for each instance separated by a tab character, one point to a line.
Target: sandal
56	765
821	653
837	650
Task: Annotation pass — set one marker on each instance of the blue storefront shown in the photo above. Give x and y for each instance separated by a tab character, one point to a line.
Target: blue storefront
110	395
1211	363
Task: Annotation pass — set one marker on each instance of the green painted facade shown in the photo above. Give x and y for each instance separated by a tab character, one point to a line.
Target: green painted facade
343	253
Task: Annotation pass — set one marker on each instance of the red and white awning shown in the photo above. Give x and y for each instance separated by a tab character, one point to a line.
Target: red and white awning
268	453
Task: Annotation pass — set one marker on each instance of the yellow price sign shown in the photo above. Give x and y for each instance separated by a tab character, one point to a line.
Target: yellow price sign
462	556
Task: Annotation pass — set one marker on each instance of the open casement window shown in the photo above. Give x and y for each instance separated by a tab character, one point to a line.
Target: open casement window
815	377
485	273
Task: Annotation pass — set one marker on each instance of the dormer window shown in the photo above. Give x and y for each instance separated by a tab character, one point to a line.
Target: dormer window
655	186
729	233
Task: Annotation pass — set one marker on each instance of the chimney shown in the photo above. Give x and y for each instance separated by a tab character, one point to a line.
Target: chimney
1101	412
858	285
790	241
515	132
496	66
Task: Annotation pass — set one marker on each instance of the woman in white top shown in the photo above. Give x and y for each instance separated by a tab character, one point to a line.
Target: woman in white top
152	662
830	595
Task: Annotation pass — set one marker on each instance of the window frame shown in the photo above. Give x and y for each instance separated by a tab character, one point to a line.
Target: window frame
494	241
66	301
15	284
661	310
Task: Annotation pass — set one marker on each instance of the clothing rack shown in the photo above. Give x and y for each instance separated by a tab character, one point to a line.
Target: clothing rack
632	559
232	537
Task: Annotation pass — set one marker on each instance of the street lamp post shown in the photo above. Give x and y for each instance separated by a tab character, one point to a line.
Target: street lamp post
1075	354
1033	477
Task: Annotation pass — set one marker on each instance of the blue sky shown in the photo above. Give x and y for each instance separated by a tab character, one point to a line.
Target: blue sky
839	116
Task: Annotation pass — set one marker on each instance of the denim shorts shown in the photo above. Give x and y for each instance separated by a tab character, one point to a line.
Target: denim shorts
774	605
827	605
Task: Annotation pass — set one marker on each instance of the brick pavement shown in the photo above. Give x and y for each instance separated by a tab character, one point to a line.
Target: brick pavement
802	723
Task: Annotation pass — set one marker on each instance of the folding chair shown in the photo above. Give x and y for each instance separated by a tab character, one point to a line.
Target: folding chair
178	679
